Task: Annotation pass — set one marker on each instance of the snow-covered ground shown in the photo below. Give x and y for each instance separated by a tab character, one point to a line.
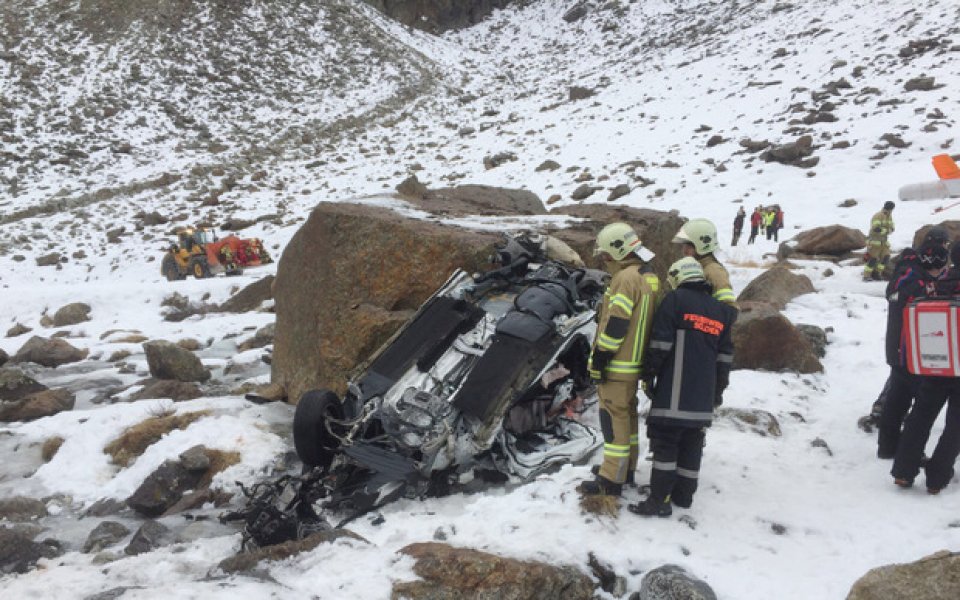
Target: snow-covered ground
775	516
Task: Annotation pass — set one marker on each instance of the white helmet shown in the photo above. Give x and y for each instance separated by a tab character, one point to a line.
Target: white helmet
702	233
684	270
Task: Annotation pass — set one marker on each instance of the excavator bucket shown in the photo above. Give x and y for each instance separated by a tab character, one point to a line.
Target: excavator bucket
946	167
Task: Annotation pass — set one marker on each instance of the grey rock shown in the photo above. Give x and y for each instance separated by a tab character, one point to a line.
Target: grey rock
492	162
19	552
758	421
163	488
263	337
411	187
817	337
51	352
169	361
583	192
37	405
168	388
251	297
104	507
921	84
16	385
4	357
776	286
195	459
22	508
150	536
71	314
671	582
579	11
112	593
105	534
580	93
548	165
934	577
49	260
618	192
18	329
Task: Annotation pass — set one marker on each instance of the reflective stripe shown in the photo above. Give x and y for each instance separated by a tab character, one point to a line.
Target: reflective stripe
665	466
659	345
724	295
687	473
725	358
640	341
622	298
684	415
616	450
634	440
617	366
608	343
677	371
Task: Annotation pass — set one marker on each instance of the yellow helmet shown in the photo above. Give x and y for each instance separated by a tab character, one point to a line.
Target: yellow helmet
684	270
702	233
619	240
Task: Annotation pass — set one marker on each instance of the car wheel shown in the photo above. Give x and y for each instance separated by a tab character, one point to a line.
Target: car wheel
315	445
200	268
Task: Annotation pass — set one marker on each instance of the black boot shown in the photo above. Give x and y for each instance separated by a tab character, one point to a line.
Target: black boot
595	469
599	486
652	507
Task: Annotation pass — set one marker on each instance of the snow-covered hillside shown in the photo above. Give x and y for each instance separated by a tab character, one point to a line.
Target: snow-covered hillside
211	111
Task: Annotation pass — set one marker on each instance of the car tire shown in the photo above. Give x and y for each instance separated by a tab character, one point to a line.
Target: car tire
314	443
200	268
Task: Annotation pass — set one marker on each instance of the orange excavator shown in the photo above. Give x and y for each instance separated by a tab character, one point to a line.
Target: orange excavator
200	253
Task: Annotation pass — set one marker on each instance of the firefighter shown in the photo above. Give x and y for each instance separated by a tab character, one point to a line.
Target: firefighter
878	248
917	280
699	239
623	328
686	370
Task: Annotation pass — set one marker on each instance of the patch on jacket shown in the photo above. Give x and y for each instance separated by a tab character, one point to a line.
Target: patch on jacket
704	324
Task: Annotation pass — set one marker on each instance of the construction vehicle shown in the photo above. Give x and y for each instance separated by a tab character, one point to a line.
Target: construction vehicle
200	253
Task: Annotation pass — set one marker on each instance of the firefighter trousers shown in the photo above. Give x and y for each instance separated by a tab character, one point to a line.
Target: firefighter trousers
619	424
677	453
934	393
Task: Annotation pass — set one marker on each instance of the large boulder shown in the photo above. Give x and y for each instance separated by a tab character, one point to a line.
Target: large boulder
348	278
831	240
765	339
671	582
22	508
354	273
107	533
250	297
776	286
51	352
16	385
37	405
169	361
935	577
450	573
71	314
474	199
167	388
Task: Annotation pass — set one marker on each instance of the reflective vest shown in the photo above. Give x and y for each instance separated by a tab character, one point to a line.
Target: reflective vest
631	296
881	225
719	280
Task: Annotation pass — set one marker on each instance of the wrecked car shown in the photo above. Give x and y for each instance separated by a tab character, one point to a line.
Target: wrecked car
486	381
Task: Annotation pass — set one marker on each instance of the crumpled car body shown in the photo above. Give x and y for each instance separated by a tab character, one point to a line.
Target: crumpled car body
458	393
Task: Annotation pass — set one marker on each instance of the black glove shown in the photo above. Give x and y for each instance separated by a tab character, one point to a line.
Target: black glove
598	365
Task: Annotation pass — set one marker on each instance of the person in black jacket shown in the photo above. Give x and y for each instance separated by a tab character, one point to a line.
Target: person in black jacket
934	392
685	373
916	280
906	259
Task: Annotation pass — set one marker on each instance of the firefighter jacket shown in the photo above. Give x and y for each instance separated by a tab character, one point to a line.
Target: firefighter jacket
910	282
690	355
881	225
719	280
624	319
768	218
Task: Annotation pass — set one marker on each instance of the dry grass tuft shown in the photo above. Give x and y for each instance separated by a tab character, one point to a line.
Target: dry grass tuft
50	448
219	460
136	439
601	505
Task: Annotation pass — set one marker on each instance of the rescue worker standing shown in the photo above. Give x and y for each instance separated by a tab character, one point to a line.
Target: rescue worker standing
878	248
699	239
623	328
686	370
768	222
